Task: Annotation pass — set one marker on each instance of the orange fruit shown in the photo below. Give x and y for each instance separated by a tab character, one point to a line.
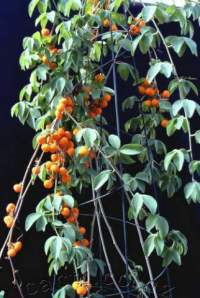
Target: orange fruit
45	60
75	212
41	139
141	89
150	92
114	28
147	103
17	187
134	30
85	242
70	152
11	253
155	103
48	165
54	157
99	77
107	97
106	23
81	291
164	123
65	212
82	230
45	148
45	32
63	171
8	220
54	169
18	246
10	208
63	142
166	94
52	65
75	131
48	184
84	151
36	170
141	23
104	104
66	178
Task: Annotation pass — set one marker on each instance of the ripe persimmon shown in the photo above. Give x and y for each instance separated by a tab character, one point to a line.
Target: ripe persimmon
48	184
45	148
75	285
17	187
36	170
99	77
81	291
71	151
85	242
114	28
11	252
150	92
155	103
8	220
107	97
164	123
10	208
141	89
45	32
41	139
84	151
106	23
18	246
65	212
82	230
147	103
165	94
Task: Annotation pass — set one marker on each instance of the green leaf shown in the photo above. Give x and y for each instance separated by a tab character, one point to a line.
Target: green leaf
197	136
192	192
66	291
148	12
114	141
68	200
131	149
32	5
136	205
129	102
164	68
150	203
101	179
162	226
188	105
177	157
180	43
149	245
31	219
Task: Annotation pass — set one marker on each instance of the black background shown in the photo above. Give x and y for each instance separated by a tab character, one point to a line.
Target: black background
16	150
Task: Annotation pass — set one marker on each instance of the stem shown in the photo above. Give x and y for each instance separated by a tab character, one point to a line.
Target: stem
15	281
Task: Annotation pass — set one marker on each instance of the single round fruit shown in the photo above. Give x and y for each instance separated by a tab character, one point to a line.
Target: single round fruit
84	151
36	170
41	139
11	253
75	212
70	152
48	184
45	148
54	169
141	90
155	103
45	32
85	242
17	187
106	23
166	94
107	97
114	28
10	208
82	230
147	103
164	123
81	291
150	92
65	212
18	246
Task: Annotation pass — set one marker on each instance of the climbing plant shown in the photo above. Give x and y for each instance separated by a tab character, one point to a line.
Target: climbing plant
76	58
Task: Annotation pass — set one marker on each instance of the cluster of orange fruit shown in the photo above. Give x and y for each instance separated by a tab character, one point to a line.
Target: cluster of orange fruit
9	218
13	248
96	107
135	26
45	33
153	94
71	215
66	104
58	144
81	287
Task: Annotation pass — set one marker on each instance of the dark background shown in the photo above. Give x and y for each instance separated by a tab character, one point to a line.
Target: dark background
16	150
